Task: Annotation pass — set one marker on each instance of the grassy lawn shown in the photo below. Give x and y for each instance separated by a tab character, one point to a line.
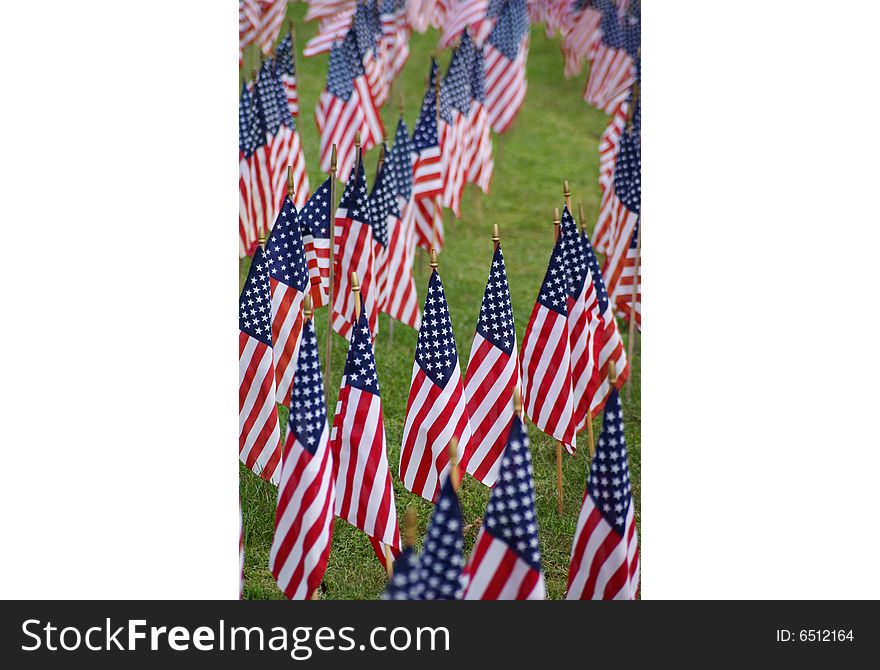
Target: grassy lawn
555	137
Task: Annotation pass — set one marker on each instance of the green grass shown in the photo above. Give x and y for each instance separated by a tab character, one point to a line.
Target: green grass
555	137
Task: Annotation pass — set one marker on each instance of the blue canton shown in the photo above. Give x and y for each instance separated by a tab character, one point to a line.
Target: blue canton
245	112
628	169
315	215
284	63
308	413
441	562
353	54
340	81
383	203
255	303
266	94
510	514
400	161
496	315
435	350
360	365
575	257
612	32
478	77
355	197
284	249
598	281
405	583
510	29
609	485
555	289
425	133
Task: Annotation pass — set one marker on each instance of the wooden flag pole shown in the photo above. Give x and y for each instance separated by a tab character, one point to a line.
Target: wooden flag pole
630	344
591	440
433	259
410	520
556	222
437	209
566	193
356	292
331	234
454	474
496	238
290	182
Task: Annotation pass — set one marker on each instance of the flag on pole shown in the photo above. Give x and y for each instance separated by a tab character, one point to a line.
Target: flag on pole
270	24
338	115
259	437
265	123
492	375
478	162
405	583
441	563
370	82
546	356
395	36
331	29
285	62
505	64
605	550
581	41
315	220
428	170
247	231
459	15
455	103
289	282
631	274
506	561
249	16
321	9
364	495
383	206
306	496
353	252
436	410
609	145
611	70
583	316
400	301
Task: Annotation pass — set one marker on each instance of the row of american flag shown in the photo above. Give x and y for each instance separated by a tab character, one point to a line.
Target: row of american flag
572	361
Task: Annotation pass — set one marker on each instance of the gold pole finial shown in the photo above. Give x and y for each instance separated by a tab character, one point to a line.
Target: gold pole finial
517	400
453	463
496	236
566	193
556	221
261	239
631	110
290	182
333	159
433	259
612	373
356	289
308	310
409	526
381	161
357	141
581	218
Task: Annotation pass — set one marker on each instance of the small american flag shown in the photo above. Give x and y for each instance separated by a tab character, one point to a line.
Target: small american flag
365	62
609	144
338	115
611	70
505	64
492	375
364	495
506	561
605	551
455	103
315	219
270	23
395	36
265	123
289	282
331	29
249	12
383	207
436	410
583	317
631	274
306	495
478	161
259	436
441	563
428	168
405	583
285	62
581	41
459	15
353	252
401	301
319	9
247	232
546	356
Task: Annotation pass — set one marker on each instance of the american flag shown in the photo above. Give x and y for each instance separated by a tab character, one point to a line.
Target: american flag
459	15
546	356
631	274
478	161
289	282
306	495
428	170
338	115
395	36
249	12
581	41
331	29
505	64
265	123
436	410
401	301
441	563
285	62
506	561
315	219
625	201
289	156
605	551
492	375
247	231
270	23
607	344
609	144
319	9
259	436
405	583
611	70
383	206
364	495
583	315
353	252
367	30
454	129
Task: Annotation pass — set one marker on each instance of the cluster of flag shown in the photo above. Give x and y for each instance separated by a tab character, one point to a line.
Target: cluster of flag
259	22
268	144
357	259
